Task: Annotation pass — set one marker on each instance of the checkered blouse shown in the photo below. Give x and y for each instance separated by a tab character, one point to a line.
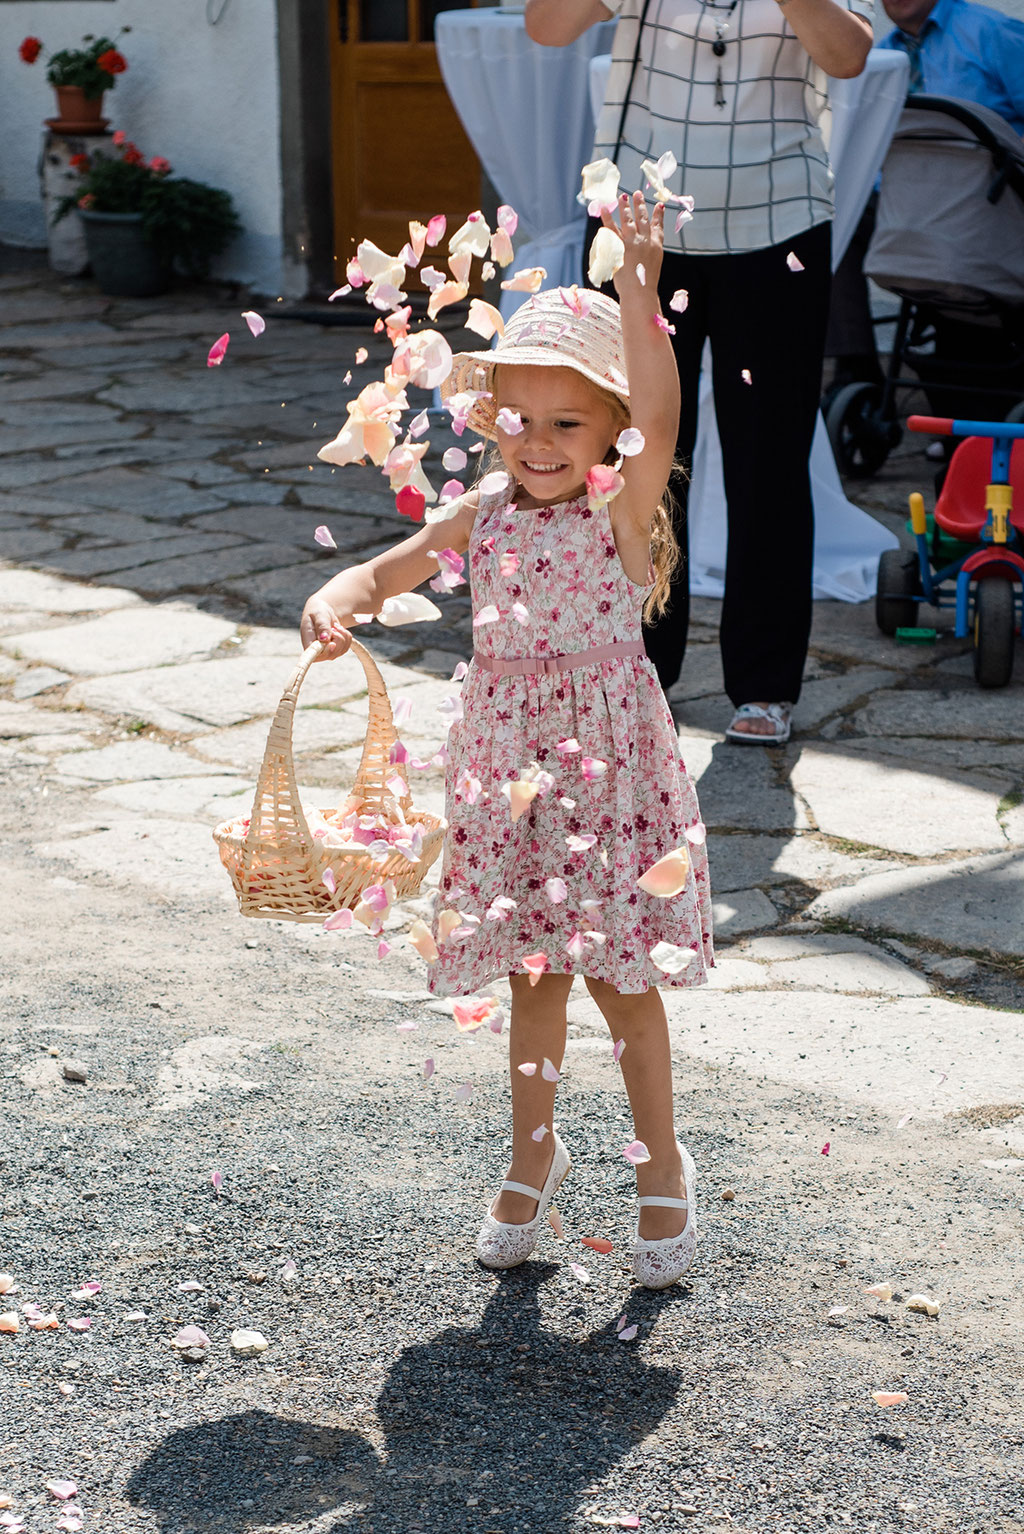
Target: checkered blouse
746	125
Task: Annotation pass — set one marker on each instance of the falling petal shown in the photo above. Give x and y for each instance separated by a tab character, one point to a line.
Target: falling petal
528	1068
657	173
508	219
679	300
328	881
324	538
626	1335
600	186
881	1292
422	939
568	747
826	1147
338	921
618	1050
451	490
630	442
607	254
217	1178
191	1337
597	1244
454	460
556	890
411	502
256	323
487	614
837	1310
574	947
520	796
520	613
497	480
539	1133
435	229
529	280
745	375
464	1093
549	1072
555	1221
668	876
580	843
419	424
794	263
603	485
215	356
410	607
535	964
593	768
485	319
579	1271
509	421
636	1153
696	835
671	958
663	324
889	1397
428	1069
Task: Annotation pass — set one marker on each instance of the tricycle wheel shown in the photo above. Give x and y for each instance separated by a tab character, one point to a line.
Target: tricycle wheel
993	632
898	591
1015	416
860	441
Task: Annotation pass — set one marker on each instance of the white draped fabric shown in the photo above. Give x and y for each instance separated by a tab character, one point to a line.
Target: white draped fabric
529	112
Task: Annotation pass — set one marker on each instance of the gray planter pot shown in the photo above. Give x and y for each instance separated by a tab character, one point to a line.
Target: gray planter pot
123	263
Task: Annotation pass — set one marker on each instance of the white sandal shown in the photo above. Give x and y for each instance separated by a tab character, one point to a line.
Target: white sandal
779	714
657	1264
506	1246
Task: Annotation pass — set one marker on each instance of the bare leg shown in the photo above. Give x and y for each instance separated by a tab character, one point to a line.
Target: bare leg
536	1032
647	1071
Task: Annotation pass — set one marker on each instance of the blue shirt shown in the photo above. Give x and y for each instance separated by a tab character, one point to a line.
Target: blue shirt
971	52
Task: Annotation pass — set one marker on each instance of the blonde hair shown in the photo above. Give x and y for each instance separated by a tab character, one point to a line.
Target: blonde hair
665	551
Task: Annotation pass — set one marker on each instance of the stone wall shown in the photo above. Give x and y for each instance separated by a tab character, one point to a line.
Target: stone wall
205	95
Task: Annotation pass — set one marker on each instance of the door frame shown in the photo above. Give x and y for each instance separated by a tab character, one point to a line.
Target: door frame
307	190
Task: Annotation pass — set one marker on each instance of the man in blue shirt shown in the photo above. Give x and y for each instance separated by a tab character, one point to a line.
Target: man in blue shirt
956	48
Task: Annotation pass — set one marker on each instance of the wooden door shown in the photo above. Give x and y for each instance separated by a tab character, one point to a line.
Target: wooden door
399	150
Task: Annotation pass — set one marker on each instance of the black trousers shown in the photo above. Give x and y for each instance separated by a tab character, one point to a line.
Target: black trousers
765	319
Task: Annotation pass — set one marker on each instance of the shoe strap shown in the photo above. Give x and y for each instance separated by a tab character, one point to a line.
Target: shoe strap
508	1186
652	1201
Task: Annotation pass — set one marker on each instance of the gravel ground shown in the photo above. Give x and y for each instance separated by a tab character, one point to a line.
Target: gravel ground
404	1388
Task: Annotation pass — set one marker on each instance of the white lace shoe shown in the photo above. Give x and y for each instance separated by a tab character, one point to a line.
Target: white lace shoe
656	1264
506	1246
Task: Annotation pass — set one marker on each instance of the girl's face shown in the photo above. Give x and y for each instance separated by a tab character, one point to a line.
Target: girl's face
567	428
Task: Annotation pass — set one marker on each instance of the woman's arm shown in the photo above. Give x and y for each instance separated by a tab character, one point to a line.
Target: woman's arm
364	588
838	41
557	22
650	363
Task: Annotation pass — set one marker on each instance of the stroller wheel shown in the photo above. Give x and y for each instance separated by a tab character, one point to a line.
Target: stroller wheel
993	632
1016	415
898	591
861	441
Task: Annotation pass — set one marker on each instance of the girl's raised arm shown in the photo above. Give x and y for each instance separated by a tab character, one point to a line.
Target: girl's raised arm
650	362
330	612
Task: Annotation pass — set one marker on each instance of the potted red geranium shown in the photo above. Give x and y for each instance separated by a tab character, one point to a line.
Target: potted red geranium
80	76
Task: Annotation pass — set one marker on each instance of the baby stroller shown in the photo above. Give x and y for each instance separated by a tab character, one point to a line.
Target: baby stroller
949	242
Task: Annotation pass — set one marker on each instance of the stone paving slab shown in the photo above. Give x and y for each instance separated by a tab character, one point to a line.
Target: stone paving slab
56	413
188	797
123	641
740	862
315	731
286	523
946	714
894	807
114	558
847	631
22	718
194	572
27	439
849	973
76	333
132	761
30	543
972	905
280	593
742	911
739	788
1001	760
176	857
53	383
30	683
124	489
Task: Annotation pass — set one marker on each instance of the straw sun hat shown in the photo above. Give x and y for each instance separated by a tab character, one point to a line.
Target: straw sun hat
547	331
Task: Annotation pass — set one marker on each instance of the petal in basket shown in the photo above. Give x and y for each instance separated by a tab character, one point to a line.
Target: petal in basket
292	866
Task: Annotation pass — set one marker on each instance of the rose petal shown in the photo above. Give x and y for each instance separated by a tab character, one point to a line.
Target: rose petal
636	1153
668	876
535	964
881	1292
428	1069
62	1490
549	1071
256	323
579	1271
539	1133
607	254
597	1244
422	939
338	921
464	1093
630	442
889	1397
191	1337
921	1302
556	890
215	356
529	280
485	319
672	958
679	300
745	375
324	538
626	1335
528	1068
599	186
410	607
618	1050
509	421
794	263
435	229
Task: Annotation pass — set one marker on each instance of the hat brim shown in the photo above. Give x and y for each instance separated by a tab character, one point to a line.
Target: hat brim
475	371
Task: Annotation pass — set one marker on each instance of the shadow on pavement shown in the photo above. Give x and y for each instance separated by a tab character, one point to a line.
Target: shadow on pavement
493	1427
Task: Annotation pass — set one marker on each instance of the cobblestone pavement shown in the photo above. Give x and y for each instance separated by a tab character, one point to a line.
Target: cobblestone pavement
156	539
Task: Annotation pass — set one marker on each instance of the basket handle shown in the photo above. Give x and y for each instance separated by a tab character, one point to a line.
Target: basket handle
277	795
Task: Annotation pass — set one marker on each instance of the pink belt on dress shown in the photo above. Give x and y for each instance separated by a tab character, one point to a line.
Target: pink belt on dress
545	665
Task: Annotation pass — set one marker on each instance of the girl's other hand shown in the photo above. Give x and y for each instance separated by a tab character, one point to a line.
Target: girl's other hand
320	621
643	236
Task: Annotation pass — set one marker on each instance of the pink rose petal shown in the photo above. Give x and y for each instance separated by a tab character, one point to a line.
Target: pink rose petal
679	300
256	323
62	1490
215	356
528	1068
745	375
549	1072
539	1133
663	324
556	890
618	1050
428	1069
636	1153
509	421
464	1093
323	537
436	228
339	921
889	1397
794	262
579	1271
535	964
217	1178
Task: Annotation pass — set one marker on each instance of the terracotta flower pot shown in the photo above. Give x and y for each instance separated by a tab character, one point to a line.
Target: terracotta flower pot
76	113
124	263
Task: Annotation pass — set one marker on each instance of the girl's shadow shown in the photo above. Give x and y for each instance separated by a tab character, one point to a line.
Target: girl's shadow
483	1426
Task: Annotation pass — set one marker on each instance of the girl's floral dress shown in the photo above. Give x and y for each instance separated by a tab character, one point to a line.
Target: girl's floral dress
560	882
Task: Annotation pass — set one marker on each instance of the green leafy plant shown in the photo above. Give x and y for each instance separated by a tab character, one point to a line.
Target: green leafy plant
188	222
93	67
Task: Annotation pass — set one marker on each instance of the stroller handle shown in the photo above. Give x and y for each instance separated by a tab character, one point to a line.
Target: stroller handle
943	426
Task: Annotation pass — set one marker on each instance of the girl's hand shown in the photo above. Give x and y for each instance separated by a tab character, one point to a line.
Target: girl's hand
643	236
320	621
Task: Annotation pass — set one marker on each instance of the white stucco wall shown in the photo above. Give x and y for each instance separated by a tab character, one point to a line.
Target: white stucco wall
205	96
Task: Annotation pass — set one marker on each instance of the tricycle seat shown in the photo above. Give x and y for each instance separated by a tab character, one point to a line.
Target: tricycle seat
960	508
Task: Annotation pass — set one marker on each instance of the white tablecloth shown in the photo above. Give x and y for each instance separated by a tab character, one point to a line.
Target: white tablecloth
529	115
526	110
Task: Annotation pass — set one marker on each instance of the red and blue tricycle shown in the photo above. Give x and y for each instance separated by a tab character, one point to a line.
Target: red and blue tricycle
970	550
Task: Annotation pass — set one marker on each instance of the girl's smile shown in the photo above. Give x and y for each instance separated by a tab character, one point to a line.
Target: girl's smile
567	428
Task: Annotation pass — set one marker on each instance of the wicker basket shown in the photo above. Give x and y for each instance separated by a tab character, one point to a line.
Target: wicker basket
276	864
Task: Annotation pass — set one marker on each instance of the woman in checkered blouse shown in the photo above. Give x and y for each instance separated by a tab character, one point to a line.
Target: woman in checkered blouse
736	89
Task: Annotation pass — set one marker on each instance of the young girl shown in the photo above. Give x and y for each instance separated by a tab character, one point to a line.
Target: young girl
564	783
